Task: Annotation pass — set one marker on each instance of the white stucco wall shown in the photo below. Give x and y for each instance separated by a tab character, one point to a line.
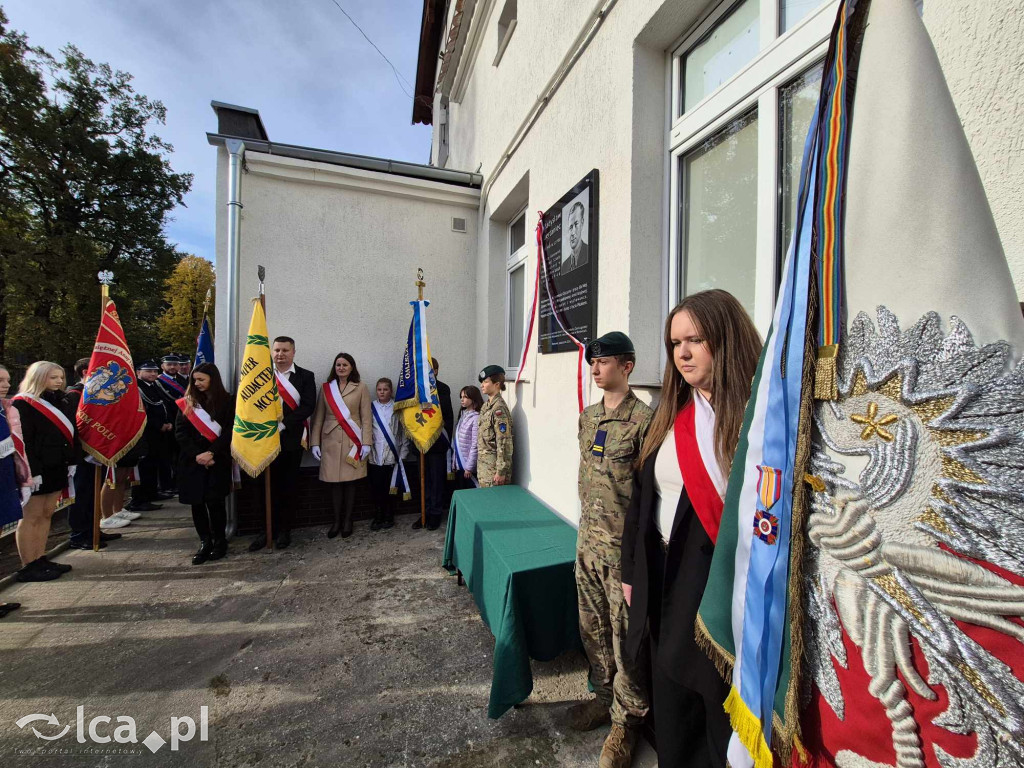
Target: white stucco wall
610	114
341	247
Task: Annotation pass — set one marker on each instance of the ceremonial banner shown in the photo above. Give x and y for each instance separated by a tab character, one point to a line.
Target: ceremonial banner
416	395
111	416
204	344
256	437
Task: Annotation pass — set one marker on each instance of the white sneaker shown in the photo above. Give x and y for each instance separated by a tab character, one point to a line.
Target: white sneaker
113	522
128	515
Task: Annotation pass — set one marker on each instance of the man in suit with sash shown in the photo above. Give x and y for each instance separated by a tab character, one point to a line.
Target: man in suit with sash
297	388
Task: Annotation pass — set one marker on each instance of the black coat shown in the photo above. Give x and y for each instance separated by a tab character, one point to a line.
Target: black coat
49	454
670	603
305	382
196	483
444	394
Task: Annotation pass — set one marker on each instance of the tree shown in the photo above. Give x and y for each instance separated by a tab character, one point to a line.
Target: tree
84	186
185	295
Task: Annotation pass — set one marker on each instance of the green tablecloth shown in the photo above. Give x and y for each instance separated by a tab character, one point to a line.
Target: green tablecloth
517	559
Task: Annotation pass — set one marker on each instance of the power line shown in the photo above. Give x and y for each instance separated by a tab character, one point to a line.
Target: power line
398	75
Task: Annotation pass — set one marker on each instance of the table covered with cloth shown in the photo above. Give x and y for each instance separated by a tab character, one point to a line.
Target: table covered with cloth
517	559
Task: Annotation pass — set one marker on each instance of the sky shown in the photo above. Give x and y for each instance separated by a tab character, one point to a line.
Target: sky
314	78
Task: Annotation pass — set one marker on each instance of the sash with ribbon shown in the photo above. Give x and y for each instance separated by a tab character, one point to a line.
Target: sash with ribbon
292	399
458	457
704	495
334	400
200	419
399	471
67	430
170	382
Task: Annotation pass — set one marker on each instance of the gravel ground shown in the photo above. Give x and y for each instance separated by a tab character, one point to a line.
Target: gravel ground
362	652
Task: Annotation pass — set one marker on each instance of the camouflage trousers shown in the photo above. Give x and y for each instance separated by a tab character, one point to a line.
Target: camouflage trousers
603	623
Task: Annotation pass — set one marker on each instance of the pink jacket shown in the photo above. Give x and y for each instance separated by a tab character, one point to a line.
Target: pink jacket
22	471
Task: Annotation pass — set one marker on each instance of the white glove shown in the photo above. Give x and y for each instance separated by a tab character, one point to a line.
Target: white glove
37	483
26	494
72	469
315	450
280	426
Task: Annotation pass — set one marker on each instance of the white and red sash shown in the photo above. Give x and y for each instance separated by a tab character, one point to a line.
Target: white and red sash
334	400
200	419
170	382
55	417
693	441
293	400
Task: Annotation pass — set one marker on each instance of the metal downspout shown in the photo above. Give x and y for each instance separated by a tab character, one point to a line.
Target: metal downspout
236	153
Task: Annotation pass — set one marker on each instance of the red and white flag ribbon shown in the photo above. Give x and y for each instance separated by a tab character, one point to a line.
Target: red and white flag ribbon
53	415
332	395
199	419
292	399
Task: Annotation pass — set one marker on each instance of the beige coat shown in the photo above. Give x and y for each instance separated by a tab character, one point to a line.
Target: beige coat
334	443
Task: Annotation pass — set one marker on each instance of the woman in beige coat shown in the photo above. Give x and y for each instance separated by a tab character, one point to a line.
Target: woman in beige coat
332	447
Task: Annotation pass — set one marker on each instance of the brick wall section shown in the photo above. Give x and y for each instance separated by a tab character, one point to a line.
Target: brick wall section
312	505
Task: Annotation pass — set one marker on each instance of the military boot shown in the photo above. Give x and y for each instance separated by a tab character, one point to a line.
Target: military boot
588	715
618	747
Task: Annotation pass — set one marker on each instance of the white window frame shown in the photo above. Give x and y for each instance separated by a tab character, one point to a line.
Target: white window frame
513	261
756	86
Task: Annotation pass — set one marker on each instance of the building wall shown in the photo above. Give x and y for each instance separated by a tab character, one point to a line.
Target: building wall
611	114
341	247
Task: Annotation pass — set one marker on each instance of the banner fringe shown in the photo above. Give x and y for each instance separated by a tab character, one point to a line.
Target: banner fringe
826	374
250	470
748	728
721	658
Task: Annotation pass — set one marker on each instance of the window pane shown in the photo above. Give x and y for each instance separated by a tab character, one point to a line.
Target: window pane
797	102
792	11
721	54
517	234
719	213
516	306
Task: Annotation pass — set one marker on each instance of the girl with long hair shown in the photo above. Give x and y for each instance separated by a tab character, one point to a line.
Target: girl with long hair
672	523
203	433
341	438
464	447
49	434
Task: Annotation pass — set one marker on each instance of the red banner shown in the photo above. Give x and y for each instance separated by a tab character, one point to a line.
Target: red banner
110	416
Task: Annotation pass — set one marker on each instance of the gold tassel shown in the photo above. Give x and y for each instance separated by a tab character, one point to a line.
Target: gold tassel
451	475
826	374
748	728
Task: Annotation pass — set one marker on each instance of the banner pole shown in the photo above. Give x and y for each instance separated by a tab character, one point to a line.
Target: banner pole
420	284
106	277
262	273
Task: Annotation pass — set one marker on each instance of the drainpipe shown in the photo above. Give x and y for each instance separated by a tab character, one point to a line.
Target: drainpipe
236	153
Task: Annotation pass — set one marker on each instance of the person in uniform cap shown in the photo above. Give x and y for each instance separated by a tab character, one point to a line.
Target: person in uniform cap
159	424
494	438
610	433
172	387
184	366
169	365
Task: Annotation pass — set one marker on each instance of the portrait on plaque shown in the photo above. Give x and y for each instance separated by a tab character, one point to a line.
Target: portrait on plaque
568	302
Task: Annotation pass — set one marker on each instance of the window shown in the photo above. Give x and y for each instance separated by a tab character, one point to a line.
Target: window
515	297
744	82
506	26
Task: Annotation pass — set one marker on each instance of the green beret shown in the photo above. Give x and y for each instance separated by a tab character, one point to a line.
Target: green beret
491	370
609	345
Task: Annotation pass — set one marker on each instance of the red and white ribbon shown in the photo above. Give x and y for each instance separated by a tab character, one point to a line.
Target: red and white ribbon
58	419
581	363
292	399
332	395
199	419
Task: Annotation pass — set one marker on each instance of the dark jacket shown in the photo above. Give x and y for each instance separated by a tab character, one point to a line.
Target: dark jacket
158	411
49	454
667	606
305	382
444	394
196	483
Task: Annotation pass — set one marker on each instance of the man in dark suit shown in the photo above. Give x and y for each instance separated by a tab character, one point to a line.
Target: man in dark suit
436	459
159	424
579	252
297	388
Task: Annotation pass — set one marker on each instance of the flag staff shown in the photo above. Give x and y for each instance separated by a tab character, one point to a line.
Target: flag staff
262	274
106	277
420	285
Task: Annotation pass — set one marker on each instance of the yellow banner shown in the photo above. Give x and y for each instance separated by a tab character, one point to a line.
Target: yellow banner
255	438
423	426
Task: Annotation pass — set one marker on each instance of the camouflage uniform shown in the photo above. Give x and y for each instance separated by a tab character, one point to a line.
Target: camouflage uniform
605	486
494	442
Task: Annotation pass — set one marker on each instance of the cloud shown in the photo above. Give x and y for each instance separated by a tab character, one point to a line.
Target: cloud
301	63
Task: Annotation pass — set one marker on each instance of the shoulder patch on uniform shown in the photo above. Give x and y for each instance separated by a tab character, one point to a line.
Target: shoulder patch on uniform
499	412
501	427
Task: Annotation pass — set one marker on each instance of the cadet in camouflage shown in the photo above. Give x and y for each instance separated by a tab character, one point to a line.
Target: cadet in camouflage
610	433
494	437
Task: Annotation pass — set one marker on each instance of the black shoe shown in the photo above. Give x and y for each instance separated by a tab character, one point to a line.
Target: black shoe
109	536
165	496
34	572
6	608
389	522
433	525
144	506
377	524
59	567
220	548
260	542
283	539
203	554
333	531
417	525
86	545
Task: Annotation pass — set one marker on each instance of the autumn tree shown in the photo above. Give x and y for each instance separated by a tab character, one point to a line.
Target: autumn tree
84	186
184	295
